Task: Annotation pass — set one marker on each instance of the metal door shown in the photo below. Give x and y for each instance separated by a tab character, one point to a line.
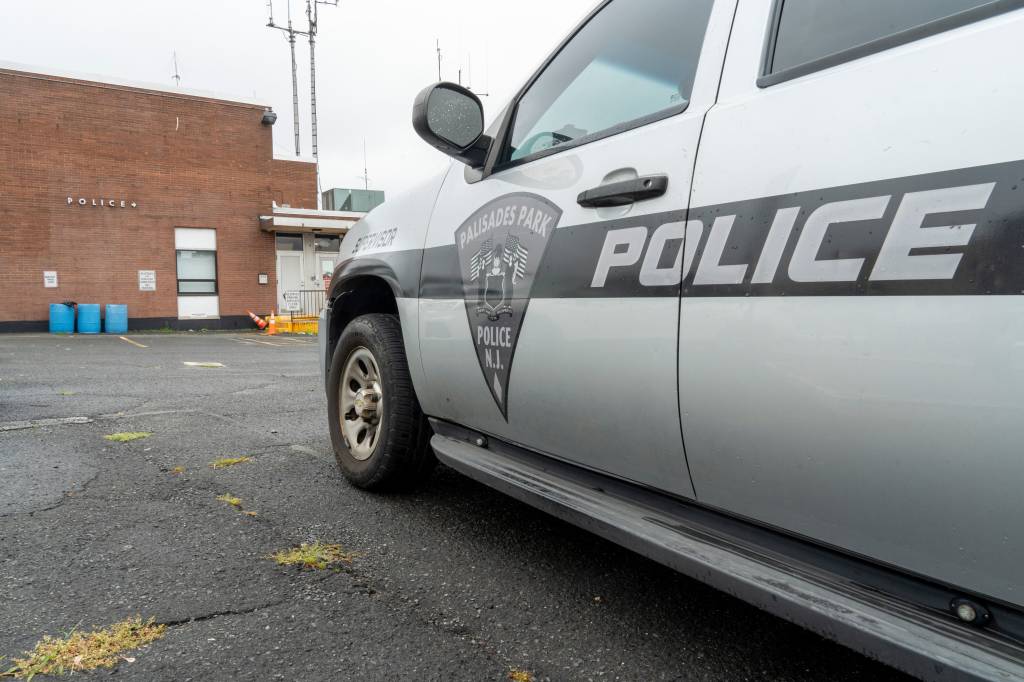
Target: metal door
289	278
326	264
851	363
552	324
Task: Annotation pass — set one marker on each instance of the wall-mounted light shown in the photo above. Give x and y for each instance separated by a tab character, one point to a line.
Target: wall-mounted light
269	118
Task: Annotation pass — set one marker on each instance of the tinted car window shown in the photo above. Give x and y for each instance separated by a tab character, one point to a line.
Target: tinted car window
633	60
812	29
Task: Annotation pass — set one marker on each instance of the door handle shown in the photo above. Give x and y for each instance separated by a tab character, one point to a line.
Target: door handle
624	193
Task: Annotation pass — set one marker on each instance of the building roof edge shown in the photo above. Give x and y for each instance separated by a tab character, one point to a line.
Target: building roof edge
151	88
279	156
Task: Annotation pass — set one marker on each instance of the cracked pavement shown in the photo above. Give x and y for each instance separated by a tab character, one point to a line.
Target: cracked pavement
454	582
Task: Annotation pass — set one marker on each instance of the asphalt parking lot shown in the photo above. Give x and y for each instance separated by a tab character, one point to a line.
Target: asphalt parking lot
455	582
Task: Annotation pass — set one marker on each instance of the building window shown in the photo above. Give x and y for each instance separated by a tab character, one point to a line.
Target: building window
289	242
327	244
197	272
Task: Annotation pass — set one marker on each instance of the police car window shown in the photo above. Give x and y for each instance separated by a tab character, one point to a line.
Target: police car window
633	60
812	29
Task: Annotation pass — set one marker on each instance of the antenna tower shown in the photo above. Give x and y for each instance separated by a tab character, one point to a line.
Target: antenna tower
312	19
290	34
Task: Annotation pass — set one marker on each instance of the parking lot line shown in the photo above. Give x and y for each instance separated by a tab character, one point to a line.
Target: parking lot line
134	343
278	342
269	343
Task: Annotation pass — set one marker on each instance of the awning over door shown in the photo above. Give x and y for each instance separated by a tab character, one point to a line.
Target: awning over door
287	219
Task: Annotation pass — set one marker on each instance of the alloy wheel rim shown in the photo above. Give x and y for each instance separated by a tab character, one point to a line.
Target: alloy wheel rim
362	403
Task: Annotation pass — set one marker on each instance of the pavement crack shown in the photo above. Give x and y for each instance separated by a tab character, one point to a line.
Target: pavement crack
66	497
35	423
218	614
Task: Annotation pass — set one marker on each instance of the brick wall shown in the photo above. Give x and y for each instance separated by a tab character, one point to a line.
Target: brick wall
185	161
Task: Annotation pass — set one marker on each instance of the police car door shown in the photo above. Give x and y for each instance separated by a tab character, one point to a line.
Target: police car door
519	337
850	349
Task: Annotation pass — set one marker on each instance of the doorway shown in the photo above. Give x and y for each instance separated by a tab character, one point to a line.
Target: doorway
289	281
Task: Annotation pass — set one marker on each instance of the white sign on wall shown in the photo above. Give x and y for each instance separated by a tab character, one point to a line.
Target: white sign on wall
101	202
50	279
291	301
147	280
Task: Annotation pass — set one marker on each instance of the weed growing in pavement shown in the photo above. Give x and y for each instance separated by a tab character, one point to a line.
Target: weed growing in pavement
226	462
235	502
315	556
517	675
128	436
177	471
85	650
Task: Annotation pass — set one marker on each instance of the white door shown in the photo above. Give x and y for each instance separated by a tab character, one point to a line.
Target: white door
289	279
851	363
520	337
326	264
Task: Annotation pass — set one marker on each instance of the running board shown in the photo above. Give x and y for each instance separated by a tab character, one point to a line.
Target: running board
845	606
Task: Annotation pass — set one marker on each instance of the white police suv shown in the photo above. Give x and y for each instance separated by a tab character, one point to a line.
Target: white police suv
738	284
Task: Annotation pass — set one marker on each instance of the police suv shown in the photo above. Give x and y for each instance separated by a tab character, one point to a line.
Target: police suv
738	285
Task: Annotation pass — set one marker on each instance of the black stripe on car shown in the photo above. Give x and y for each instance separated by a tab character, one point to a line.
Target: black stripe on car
958	232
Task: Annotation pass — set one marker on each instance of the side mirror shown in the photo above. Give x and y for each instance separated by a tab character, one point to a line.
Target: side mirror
450	119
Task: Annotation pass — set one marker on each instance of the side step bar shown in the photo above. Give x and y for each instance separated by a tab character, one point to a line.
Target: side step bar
845	606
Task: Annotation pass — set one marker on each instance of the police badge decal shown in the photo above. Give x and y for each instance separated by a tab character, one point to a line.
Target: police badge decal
500	250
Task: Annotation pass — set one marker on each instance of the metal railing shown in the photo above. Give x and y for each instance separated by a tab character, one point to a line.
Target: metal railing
304	302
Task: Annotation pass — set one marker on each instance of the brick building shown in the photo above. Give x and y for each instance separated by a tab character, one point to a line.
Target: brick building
152	198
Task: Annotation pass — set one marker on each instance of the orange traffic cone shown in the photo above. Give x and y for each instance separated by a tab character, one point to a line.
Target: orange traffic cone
260	322
272	327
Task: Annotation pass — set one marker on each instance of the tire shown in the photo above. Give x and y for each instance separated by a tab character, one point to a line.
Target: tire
395	454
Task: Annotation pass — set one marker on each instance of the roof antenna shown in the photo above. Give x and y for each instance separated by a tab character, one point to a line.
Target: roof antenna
469	81
469	78
366	174
439	60
177	76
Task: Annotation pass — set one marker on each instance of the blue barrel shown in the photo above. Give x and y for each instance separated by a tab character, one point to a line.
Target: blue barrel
117	319
62	318
88	318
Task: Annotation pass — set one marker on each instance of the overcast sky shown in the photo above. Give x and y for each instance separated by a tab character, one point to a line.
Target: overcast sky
373	56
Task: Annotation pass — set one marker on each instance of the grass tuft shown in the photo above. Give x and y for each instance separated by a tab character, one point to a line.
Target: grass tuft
315	556
178	470
235	502
517	675
128	436
85	650
226	462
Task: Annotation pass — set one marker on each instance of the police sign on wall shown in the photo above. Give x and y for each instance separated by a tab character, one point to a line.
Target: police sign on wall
500	249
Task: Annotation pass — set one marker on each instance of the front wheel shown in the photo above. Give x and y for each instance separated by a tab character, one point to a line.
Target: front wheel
378	431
